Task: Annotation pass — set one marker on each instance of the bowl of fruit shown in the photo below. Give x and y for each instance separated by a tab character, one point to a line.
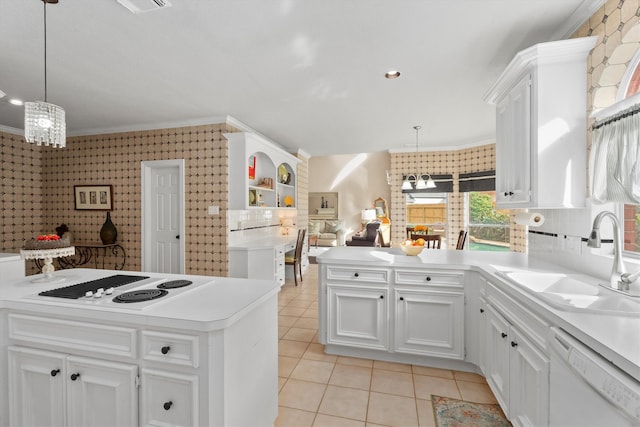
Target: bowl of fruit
412	247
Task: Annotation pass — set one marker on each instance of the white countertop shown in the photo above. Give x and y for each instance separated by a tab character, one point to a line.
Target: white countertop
7	257
215	304
616	337
263	243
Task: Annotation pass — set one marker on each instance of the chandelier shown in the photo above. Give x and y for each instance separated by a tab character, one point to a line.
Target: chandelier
417	179
44	123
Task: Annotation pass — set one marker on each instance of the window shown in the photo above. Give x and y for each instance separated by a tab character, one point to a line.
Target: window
428	209
488	226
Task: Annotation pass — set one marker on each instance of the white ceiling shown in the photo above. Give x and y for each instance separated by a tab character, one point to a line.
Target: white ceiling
307	74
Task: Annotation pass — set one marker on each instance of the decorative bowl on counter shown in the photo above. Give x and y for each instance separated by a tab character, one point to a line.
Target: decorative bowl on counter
411	250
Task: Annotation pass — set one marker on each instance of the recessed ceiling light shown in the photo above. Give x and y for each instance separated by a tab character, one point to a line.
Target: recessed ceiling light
393	74
15	101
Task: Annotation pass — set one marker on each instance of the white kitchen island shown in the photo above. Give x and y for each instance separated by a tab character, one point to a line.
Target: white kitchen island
201	355
458	310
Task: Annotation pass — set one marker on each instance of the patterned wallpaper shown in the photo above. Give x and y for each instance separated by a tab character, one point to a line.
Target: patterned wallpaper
44	178
466	160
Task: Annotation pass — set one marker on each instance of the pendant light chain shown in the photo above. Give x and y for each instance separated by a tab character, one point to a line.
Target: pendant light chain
45	49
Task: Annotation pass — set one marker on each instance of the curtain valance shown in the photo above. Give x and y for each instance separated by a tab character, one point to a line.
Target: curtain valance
477	181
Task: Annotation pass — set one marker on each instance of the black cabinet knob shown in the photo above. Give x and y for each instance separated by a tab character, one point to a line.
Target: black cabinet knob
401	298
165	349
75	376
514	344
55	372
167	405
381	296
506	194
356	275
482	310
511	193
503	335
428	279
178	236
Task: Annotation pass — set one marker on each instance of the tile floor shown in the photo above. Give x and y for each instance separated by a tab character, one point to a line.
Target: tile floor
317	389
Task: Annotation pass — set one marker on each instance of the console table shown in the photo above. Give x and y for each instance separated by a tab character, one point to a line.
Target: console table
96	252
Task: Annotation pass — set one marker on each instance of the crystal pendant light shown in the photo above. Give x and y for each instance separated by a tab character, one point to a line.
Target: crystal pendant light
44	123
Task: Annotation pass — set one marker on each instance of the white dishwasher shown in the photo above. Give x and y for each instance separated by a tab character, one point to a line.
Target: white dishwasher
586	389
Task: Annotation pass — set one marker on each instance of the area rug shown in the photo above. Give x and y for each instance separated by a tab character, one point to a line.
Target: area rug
458	413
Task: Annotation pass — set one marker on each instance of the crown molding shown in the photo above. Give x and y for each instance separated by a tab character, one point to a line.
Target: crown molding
460	147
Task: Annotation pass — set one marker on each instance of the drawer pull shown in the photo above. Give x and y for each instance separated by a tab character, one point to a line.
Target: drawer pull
503	335
75	376
55	372
401	298
381	296
482	310
514	344
356	275
428	278
167	405
165	349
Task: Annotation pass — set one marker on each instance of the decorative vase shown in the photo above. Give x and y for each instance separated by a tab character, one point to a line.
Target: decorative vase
108	232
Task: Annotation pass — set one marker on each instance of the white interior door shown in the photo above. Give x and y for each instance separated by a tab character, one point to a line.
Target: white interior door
163	216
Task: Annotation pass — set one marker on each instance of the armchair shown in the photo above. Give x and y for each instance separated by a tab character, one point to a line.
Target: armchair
368	238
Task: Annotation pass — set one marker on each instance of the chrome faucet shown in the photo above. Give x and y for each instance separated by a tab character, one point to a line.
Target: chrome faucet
619	280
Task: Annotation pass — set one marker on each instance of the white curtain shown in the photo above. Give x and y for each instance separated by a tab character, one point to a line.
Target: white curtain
614	161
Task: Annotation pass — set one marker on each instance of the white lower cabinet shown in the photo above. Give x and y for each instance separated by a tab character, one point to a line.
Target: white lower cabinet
168	399
517	370
55	389
429	322
358	316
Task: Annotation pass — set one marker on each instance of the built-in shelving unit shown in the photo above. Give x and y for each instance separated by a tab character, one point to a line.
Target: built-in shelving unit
261	174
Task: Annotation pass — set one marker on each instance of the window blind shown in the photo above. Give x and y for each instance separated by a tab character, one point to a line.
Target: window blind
477	181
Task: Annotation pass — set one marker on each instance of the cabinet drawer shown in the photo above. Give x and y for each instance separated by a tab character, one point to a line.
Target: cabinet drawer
370	275
170	348
168	399
431	278
68	334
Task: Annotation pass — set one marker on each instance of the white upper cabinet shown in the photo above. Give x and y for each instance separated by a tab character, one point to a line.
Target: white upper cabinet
541	126
261	175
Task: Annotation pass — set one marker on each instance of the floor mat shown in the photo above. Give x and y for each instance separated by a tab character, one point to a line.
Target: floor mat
457	413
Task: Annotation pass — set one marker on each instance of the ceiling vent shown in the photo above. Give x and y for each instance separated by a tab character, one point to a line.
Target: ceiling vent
142	6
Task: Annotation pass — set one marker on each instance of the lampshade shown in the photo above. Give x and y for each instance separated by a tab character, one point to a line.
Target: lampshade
406	184
430	183
368	214
44	123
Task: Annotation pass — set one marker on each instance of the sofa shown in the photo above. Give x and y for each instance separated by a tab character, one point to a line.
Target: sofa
326	232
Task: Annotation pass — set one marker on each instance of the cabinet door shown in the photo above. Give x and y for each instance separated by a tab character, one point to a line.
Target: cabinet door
358	317
483	346
101	393
497	362
430	322
169	399
513	148
36	387
529	383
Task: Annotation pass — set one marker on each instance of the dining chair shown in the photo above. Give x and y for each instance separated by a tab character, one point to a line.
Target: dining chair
294	257
431	241
461	239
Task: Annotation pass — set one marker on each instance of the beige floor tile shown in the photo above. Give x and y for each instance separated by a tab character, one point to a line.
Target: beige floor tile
374	425
330	421
345	402
316	352
303	395
345	360
432	372
469	376
286	365
310	312
301	303
281	383
306	323
312	370
288	417
351	376
425	413
292	348
391	366
282	331
398	383
300	334
392	410
287	320
426	386
292	311
476	392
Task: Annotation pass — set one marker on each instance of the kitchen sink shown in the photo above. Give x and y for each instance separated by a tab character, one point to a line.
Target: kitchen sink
573	292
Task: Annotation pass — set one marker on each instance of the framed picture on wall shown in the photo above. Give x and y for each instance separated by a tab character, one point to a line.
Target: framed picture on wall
93	197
